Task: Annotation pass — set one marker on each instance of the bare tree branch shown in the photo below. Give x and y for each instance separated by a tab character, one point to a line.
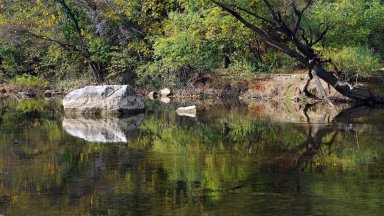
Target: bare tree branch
268	39
321	36
299	13
69	47
272	12
75	22
253	14
304	37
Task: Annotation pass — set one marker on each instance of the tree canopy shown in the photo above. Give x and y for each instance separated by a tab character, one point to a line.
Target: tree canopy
156	42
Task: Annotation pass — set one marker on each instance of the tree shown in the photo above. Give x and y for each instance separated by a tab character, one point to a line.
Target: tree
283	30
107	38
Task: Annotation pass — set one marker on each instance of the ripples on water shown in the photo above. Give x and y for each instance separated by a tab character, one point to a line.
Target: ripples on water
229	160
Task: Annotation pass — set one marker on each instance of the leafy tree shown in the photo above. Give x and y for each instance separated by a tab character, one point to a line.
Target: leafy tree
175	40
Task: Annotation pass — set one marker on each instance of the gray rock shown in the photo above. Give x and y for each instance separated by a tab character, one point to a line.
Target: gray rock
111	129
165	92
107	99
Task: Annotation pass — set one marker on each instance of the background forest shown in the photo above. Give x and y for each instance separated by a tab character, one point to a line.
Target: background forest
170	42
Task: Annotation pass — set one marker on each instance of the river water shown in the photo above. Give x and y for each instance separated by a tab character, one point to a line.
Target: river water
260	159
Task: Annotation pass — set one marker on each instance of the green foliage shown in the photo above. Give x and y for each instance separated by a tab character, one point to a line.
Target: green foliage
100	50
155	74
12	59
184	49
29	81
353	22
170	42
355	38
356	60
122	68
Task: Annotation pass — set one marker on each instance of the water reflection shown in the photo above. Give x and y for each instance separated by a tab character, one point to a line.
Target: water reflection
322	132
226	161
107	129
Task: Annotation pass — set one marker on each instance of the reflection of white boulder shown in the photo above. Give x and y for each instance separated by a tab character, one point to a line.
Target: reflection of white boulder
103	99
189	111
152	95
165	100
102	130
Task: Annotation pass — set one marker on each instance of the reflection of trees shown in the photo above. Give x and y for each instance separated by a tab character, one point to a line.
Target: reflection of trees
168	164
319	135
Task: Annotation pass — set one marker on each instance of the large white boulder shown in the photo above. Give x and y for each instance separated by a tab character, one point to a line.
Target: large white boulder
103	99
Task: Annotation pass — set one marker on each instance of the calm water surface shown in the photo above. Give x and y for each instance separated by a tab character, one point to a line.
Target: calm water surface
229	160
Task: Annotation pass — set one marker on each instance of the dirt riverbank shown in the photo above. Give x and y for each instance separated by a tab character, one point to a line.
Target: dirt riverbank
272	87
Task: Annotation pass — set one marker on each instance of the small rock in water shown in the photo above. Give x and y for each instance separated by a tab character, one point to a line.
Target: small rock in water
189	111
165	92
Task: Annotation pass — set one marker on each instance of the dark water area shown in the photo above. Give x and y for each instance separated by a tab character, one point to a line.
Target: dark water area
229	160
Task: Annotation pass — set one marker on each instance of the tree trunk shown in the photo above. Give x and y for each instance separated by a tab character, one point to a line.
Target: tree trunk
97	68
357	94
301	50
98	71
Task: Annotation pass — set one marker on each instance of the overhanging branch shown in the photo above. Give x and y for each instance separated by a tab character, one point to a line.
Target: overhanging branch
268	39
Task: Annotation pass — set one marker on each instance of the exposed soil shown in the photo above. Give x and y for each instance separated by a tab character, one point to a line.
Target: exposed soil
278	88
6	90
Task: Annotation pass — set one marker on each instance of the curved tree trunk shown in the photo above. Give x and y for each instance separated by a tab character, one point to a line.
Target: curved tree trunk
358	94
302	50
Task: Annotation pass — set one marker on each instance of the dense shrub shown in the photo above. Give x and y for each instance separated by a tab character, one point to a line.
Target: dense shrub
356	60
29	81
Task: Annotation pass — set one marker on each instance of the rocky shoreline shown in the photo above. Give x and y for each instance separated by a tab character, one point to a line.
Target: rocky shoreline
277	88
262	87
